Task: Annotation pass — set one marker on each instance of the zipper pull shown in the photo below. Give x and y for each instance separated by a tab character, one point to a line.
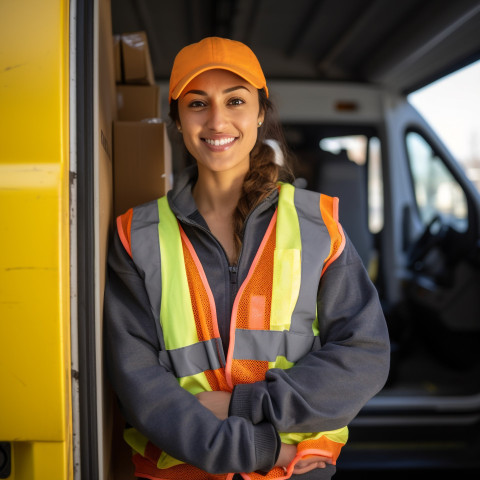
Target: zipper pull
233	273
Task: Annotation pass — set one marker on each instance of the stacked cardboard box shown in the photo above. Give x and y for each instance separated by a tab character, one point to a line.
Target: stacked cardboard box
138	97
142	163
142	151
138	102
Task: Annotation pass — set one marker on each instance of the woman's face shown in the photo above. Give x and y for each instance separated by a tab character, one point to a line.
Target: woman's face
219	115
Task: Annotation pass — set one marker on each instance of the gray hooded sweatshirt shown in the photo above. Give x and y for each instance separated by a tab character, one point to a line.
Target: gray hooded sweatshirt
323	391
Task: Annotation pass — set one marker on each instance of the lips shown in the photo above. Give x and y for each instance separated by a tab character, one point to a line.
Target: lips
219	143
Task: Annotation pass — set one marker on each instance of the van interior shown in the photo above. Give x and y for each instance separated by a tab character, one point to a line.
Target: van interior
433	350
405	203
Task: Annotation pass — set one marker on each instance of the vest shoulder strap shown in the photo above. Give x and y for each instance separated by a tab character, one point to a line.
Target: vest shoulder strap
329	212
312	207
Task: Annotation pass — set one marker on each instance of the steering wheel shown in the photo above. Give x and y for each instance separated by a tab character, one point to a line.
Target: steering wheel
433	234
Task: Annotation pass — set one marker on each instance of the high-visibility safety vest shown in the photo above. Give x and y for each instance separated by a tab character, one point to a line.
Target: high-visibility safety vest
273	323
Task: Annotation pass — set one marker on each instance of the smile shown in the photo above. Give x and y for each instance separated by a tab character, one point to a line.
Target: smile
217	143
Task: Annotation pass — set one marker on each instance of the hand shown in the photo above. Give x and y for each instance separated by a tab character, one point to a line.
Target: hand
287	454
216	402
310	463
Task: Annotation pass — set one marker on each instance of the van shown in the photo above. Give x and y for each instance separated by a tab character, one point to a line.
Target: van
414	219
416	224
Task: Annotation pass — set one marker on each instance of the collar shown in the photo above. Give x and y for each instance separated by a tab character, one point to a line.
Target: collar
183	205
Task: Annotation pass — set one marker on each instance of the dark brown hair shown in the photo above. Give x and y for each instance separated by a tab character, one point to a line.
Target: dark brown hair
264	173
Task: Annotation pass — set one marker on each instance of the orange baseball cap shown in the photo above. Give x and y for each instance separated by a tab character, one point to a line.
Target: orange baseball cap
211	53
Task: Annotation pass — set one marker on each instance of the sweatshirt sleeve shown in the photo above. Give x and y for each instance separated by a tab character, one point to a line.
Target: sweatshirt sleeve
326	389
153	402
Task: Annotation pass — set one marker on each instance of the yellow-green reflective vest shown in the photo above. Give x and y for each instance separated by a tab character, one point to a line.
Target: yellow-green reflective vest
262	335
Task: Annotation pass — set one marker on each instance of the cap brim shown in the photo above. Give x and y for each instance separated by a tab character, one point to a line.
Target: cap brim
247	76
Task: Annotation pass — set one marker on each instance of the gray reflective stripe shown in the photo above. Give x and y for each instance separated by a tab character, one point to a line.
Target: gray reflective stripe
193	359
146	255
315	249
267	345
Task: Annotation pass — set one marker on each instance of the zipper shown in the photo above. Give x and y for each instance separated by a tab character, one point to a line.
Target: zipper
233	284
218	342
232	270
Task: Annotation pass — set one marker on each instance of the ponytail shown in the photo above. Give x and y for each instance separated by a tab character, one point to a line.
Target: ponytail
266	168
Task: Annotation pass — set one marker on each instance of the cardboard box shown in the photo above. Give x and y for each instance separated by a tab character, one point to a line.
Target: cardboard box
142	163
138	102
137	64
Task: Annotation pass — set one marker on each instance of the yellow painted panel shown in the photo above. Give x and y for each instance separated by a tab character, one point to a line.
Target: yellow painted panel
39	461
33	57
31	338
34	237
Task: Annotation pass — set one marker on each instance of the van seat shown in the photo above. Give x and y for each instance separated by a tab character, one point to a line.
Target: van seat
340	177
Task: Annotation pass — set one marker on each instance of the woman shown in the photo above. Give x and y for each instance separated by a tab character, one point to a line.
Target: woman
242	332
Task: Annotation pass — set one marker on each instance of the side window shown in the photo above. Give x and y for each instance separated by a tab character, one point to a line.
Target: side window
436	189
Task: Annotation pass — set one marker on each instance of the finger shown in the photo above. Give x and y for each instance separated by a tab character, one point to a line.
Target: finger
300	469
316	458
313	459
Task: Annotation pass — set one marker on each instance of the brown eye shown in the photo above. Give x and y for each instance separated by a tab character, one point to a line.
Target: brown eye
197	104
236	101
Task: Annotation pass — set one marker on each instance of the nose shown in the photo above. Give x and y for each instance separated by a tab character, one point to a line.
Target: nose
217	117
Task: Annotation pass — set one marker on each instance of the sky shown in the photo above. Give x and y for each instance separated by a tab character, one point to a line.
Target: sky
451	106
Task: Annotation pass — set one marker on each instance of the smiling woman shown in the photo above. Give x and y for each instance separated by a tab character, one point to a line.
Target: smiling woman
242	331
219	112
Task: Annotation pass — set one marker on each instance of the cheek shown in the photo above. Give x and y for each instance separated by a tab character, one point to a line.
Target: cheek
251	128
189	144
184	118
189	128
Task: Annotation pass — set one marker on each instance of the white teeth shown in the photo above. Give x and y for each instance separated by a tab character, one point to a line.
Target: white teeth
217	143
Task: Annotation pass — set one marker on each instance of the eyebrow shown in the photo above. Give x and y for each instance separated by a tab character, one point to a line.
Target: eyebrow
228	90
